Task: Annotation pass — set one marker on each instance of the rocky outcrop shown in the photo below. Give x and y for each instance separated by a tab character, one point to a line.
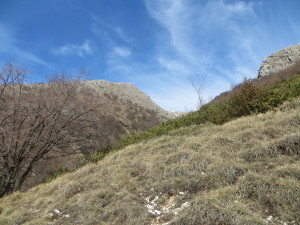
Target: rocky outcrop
128	92
280	60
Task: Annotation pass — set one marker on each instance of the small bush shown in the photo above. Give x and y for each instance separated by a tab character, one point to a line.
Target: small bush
250	100
96	156
53	174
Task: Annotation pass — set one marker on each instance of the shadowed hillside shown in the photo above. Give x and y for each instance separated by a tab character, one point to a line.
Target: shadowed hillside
108	124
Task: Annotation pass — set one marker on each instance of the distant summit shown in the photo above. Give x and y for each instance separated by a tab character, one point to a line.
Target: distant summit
280	60
128	92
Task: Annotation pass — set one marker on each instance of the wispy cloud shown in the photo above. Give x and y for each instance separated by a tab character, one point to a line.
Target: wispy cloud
99	24
122	34
71	49
122	51
9	46
204	39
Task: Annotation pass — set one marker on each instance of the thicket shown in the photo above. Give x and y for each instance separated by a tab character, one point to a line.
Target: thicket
250	97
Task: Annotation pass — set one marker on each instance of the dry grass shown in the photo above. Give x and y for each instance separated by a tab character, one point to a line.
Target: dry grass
242	172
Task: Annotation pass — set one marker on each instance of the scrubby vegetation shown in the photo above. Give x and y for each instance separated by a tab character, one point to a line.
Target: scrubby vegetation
245	171
53	174
250	97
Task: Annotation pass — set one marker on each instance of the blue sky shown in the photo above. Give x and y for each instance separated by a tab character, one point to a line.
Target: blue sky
156	45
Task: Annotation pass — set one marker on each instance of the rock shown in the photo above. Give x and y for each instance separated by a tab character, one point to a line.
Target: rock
155	199
128	92
157	212
154	212
151	207
270	218
185	205
280	60
56	211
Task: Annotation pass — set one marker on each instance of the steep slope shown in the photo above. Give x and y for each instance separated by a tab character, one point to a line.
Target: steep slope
246	171
125	110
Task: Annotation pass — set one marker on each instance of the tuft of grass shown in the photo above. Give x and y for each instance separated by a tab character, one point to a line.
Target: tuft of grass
216	210
277	196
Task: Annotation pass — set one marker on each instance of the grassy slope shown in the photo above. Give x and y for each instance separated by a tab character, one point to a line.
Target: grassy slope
257	96
240	172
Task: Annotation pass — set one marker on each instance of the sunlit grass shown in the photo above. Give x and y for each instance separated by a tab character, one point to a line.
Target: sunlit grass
241	172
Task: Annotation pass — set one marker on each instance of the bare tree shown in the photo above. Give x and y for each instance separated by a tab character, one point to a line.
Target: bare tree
199	89
34	118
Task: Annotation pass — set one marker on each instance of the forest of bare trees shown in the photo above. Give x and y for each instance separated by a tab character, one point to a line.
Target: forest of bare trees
34	118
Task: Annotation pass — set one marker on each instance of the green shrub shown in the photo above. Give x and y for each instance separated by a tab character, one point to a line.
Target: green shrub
250	100
96	156
53	174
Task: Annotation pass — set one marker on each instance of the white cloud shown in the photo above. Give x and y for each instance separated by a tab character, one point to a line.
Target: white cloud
222	41
204	40
71	49
8	45
173	15
97	29
122	51
123	35
217	11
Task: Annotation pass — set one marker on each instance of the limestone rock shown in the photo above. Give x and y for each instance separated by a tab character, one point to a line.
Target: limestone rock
128	92
280	60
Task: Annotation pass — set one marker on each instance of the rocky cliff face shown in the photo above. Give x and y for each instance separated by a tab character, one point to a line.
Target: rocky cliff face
280	60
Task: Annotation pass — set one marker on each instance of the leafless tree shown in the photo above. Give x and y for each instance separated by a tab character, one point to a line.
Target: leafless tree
199	89
34	118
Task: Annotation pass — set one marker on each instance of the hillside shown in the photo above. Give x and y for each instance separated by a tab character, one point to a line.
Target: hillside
246	171
124	110
128	93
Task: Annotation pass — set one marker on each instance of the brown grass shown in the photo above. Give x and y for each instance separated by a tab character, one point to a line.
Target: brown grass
242	172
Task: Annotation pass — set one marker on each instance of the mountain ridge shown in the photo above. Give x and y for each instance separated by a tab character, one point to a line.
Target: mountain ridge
129	92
